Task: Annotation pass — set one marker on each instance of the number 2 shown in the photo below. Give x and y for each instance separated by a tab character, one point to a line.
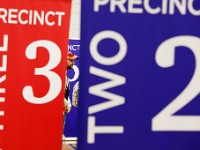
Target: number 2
54	79
165	120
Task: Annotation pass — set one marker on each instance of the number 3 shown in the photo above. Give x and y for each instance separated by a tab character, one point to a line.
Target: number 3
165	57
54	79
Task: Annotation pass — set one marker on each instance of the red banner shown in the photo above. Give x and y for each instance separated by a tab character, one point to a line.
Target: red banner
33	47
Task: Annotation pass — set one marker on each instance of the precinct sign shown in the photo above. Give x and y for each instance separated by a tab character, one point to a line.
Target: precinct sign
140	78
71	127
32	73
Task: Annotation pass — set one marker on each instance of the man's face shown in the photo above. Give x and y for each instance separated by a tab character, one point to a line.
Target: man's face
70	63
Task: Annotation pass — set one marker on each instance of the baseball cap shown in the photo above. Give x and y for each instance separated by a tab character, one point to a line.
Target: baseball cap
71	56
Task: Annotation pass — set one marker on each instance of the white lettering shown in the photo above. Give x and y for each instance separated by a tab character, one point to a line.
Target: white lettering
93	129
181	6
132	9
60	14
119	3
150	9
4	57
5	43
98	3
12	16
46	71
164	6
100	90
73	47
192	9
167	7
2	90
31	17
3	14
2	79
38	17
76	74
4	63
3	68
2	113
20	16
108	60
47	18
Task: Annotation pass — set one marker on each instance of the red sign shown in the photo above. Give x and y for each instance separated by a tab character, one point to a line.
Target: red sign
33	47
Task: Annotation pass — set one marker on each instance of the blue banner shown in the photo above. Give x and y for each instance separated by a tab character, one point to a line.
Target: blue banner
140	78
71	125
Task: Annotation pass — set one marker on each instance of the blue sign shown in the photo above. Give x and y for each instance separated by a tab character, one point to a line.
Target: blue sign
71	125
140	75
